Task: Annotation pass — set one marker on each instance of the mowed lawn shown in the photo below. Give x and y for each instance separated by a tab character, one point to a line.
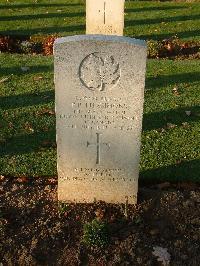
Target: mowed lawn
146	20
171	126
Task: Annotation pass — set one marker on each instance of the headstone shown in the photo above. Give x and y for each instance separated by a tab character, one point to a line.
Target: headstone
105	17
99	84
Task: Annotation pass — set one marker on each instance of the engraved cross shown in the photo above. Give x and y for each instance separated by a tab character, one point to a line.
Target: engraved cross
99	146
104	16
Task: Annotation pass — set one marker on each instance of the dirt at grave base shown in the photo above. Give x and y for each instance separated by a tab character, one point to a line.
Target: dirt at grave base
33	232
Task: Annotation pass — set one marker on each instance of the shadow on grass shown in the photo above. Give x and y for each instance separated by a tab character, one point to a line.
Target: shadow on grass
22	100
183	171
44	30
32	70
42	16
156	36
166	80
29	143
177	117
37	5
153	8
137	22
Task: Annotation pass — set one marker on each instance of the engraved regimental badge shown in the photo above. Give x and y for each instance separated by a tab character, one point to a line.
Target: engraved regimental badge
99	74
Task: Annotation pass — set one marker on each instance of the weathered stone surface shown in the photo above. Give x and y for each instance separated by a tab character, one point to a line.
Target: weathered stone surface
105	17
99	84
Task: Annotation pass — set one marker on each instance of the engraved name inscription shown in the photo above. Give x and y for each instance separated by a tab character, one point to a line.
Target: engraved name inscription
105	29
98	113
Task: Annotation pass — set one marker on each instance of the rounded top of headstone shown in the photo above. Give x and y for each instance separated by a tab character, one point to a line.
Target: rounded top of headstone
100	38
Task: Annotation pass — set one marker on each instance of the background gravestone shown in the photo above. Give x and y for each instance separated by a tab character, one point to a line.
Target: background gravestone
99	103
105	17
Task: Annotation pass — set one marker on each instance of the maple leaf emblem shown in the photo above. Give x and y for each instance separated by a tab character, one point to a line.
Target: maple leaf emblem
97	73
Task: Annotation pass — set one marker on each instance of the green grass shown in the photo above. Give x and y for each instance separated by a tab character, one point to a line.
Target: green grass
147	20
27	128
172	154
22	100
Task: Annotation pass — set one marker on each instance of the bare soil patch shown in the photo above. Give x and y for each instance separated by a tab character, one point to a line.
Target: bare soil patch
172	48
35	232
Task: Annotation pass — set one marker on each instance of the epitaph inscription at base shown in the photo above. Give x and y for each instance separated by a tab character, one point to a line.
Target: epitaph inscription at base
99	84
